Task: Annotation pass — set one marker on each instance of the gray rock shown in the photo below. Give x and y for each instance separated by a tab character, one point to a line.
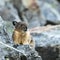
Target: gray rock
4	33
30	17
50	37
34	19
50	13
9	13
54	3
48	44
28	54
2	2
49	1
7	52
18	4
48	53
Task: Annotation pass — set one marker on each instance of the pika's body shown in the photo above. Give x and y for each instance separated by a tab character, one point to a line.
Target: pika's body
21	35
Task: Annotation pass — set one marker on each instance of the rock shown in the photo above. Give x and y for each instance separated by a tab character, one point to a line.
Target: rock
48	53
2	2
17	4
4	32
25	52
9	13
54	3
50	13
30	17
58	8
50	1
48	43
28	54
58	1
48	35
34	17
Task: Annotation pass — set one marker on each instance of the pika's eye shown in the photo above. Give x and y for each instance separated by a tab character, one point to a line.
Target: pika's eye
25	29
14	23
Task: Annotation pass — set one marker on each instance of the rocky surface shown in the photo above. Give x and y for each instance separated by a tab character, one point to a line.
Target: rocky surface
47	43
48	53
9	13
48	32
48	13
22	53
54	3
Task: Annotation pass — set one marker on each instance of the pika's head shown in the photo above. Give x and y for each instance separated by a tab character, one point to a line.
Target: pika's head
20	26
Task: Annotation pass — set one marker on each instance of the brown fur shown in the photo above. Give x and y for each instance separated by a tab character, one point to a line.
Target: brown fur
22	37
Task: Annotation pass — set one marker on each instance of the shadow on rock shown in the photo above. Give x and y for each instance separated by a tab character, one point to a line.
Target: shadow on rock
48	53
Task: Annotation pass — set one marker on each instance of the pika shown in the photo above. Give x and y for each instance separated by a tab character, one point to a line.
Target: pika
21	35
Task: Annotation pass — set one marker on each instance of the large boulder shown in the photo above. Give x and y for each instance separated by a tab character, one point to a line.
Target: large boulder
47	35
8	12
7	51
48	53
49	12
47	42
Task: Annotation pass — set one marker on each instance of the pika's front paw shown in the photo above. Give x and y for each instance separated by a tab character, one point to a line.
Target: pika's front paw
15	46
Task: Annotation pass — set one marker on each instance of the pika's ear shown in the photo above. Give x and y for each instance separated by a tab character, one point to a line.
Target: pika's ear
14	23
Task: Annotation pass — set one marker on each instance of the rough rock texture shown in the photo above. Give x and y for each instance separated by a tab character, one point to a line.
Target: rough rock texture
35	18
48	53
28	16
54	3
49	12
24	53
48	35
8	12
48	42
